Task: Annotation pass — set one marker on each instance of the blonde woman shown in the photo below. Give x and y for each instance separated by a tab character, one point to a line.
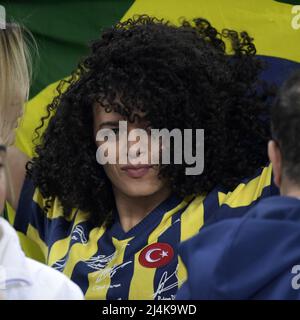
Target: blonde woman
20	277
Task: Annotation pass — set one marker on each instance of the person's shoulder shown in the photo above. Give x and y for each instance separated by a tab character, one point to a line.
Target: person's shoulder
277	208
251	189
32	201
50	284
223	203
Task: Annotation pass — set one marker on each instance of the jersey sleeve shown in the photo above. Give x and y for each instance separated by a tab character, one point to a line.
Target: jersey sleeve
30	219
237	202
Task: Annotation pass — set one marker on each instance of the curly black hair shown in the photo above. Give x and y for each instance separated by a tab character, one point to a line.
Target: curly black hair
188	76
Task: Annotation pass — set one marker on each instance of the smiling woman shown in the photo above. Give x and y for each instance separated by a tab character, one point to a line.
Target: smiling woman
115	228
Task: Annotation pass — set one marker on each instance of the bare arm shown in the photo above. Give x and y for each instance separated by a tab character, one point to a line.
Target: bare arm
16	162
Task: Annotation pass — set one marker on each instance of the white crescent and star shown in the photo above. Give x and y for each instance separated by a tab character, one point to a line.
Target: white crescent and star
148	255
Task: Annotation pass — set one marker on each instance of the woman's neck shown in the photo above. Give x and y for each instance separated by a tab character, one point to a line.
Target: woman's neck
132	210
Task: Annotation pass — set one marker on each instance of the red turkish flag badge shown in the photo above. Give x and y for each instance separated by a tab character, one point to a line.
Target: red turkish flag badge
156	255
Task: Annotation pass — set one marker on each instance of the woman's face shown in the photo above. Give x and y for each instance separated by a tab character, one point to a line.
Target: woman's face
132	180
10	118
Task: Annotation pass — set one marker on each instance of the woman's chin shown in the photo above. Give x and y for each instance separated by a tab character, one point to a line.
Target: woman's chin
136	189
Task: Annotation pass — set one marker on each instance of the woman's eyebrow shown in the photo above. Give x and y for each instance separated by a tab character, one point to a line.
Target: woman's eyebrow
109	123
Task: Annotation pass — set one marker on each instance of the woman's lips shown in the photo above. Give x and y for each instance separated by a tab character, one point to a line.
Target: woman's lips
136	171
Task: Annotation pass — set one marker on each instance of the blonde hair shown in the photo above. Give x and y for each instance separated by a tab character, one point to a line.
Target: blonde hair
15	75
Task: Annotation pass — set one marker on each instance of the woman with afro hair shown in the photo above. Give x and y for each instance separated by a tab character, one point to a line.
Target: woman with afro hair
114	229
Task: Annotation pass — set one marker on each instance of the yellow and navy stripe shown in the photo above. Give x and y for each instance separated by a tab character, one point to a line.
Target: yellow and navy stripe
105	262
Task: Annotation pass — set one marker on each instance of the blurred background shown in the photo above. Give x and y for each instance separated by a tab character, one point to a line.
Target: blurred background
64	28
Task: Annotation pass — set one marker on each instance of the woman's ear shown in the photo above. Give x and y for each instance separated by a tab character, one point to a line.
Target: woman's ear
276	159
